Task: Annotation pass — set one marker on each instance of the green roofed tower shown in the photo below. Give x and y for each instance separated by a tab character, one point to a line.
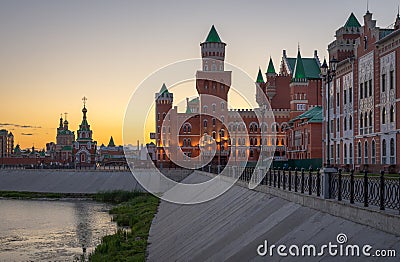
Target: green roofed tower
213	36
299	73
271	68
352	21
260	78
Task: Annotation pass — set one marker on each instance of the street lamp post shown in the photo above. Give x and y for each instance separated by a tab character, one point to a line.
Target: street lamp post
328	75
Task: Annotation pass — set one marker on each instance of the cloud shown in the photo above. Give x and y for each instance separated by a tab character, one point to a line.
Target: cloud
26	134
19	126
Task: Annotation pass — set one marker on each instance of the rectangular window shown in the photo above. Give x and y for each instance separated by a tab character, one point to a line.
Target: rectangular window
337	125
365	89
337	99
370	87
383	82
361	90
345	97
350	94
391	79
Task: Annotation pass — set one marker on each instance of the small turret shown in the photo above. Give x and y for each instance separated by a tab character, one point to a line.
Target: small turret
213	52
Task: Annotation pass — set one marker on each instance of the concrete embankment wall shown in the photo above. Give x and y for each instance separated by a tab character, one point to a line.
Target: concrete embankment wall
66	181
232	226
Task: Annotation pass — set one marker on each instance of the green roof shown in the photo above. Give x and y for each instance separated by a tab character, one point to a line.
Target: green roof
313	115
260	78
213	36
271	68
188	111
196	99
111	143
352	21
310	67
66	148
164	89
299	72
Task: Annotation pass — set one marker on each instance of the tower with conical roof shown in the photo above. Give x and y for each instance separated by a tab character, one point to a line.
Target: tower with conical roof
343	47
84	148
260	89
164	101
271	80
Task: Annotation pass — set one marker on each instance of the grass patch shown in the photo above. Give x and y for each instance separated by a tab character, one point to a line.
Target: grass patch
135	215
33	195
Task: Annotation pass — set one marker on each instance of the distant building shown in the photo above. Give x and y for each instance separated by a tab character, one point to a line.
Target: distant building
111	154
6	143
84	148
64	140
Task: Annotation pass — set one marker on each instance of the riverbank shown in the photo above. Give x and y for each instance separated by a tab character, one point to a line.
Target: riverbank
129	243
133	212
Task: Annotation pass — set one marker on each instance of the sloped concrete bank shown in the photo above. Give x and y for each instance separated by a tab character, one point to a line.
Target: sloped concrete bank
231	228
66	181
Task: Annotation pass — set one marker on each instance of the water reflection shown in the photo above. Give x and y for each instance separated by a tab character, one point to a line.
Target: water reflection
44	230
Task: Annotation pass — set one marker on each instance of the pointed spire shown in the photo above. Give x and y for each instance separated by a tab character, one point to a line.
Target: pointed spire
260	78
164	89
299	72
352	21
367	6
271	68
111	143
213	36
61	121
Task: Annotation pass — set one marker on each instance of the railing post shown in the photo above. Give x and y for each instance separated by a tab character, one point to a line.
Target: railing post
274	177
295	180
310	182
302	180
318	183
270	176
398	195
279	177
340	185
352	186
365	188
382	191
284	179
290	179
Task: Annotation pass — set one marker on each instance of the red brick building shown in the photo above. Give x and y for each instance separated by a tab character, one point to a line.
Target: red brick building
295	90
364	95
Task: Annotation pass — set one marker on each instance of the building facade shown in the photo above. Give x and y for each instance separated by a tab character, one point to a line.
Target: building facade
6	143
239	135
364	95
84	148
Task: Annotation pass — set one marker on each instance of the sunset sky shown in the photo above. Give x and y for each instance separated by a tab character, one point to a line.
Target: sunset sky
55	52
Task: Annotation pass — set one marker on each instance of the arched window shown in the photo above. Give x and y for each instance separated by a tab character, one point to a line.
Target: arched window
189	142
366	152
383	151
373	151
214	107
205	109
163	115
213	121
361	121
384	116
222	105
365	119
184	142
255	141
351	153
184	129
251	141
214	134
359	150
392	147
205	123
391	114
345	124
243	141
251	153
234	141
345	154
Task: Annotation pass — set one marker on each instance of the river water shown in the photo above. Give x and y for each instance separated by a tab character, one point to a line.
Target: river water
51	230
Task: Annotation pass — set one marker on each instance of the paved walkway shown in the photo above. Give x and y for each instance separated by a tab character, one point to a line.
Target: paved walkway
231	227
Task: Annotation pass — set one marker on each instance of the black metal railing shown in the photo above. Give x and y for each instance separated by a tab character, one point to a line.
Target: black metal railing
366	189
